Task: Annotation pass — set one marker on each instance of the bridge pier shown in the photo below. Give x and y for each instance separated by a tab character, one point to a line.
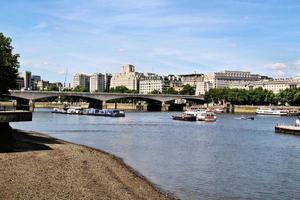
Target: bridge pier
104	105
164	107
31	105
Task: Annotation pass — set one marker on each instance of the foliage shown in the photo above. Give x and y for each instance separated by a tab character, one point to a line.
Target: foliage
9	65
171	90
187	90
122	89
52	87
257	96
80	89
155	92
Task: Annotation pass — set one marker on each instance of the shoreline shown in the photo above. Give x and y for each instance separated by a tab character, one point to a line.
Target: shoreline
44	167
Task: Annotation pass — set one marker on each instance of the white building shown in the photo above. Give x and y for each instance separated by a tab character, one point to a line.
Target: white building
275	86
82	80
128	78
203	87
97	82
226	78
151	82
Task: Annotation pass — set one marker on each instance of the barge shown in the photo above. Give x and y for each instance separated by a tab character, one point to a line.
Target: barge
185	117
90	111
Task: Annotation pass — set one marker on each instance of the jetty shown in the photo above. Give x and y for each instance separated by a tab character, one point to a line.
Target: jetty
286	129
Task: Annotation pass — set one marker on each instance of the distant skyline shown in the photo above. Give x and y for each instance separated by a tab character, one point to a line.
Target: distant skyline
161	36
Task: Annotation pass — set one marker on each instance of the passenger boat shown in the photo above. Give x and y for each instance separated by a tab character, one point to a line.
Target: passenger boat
271	111
203	115
104	112
289	129
184	117
90	111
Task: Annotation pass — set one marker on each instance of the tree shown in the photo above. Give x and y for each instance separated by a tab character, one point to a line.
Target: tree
80	89
187	90
155	92
120	89
9	65
171	90
52	87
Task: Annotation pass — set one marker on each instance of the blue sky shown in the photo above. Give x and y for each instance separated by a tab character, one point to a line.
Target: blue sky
163	36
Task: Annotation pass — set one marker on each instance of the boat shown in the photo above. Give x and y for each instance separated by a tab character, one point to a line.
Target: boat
271	111
104	112
90	111
210	117
289	129
219	110
184	117
202	115
246	118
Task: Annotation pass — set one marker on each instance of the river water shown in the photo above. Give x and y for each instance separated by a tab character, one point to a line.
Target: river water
227	159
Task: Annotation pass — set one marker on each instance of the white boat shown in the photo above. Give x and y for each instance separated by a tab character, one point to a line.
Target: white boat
271	111
202	115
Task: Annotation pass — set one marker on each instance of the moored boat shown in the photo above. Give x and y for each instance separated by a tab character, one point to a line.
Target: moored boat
184	117
271	111
203	115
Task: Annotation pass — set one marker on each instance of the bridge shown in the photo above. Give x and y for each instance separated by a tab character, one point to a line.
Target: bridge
102	97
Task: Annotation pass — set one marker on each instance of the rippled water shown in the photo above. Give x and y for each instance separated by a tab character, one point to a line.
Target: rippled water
229	159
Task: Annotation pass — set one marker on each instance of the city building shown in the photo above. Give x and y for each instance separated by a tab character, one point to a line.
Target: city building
107	81
151	82
97	82
191	79
127	77
27	80
34	81
82	80
275	85
42	85
203	87
226	78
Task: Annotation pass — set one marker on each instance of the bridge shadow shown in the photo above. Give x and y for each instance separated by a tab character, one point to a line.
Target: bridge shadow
30	141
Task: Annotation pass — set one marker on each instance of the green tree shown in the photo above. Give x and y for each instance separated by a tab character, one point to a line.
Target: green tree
52	87
187	90
171	90
9	65
155	92
297	98
80	89
120	89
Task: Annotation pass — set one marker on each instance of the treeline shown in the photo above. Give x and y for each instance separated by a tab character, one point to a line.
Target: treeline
258	96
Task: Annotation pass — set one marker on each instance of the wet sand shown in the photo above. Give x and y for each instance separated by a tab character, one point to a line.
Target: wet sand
42	167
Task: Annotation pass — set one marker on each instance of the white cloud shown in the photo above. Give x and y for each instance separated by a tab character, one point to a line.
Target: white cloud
278	66
40	26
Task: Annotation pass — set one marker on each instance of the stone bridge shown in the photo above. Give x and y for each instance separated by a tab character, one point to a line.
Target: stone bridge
32	96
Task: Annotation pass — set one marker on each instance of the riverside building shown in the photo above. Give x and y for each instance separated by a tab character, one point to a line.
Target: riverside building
82	80
151	82
97	82
127	77
275	85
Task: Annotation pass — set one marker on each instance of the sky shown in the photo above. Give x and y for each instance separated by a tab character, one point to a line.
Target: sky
59	37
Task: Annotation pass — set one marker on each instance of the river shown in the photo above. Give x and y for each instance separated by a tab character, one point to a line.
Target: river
227	159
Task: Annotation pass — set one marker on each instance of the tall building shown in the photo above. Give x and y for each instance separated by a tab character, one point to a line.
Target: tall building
107	81
97	82
82	80
27	80
127	77
151	82
34	81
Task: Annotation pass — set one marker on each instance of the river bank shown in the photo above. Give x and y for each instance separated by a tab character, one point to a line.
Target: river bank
43	167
